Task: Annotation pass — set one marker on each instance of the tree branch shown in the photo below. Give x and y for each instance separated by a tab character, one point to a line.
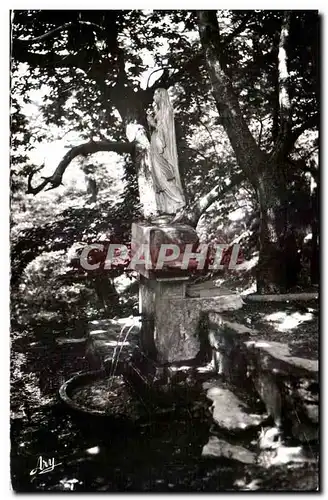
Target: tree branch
191	214
239	29
306	166
83	149
283	83
311	122
45	35
57	30
249	156
206	201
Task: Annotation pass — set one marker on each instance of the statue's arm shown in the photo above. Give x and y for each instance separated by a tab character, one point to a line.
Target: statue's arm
151	119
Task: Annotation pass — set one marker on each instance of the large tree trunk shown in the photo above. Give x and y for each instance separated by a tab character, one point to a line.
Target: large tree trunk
278	267
279	260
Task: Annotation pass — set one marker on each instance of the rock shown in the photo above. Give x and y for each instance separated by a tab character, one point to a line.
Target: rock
284	382
283	455
239	328
206	288
277	358
312	412
227	342
269	393
253	485
229	412
219	448
274	452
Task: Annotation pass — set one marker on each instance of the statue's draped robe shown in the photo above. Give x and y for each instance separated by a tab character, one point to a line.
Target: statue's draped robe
164	159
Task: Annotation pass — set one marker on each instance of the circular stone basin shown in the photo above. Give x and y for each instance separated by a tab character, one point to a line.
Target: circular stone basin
96	393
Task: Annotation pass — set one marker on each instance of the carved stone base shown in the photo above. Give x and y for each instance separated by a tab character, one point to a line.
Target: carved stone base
147	239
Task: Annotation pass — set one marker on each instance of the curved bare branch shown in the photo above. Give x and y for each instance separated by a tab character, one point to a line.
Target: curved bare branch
83	149
54	31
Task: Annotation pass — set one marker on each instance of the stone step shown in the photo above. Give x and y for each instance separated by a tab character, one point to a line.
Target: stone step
229	411
287	385
277	357
219	448
284	455
270	452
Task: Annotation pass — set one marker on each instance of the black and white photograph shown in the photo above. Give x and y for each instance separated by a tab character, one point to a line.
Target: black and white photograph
164	250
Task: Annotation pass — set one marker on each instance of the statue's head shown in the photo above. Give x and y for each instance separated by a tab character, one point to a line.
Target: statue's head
161	96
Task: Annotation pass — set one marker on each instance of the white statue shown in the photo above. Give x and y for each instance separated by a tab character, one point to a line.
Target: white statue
164	159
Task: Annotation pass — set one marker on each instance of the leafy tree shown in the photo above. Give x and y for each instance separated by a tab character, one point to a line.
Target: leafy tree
245	89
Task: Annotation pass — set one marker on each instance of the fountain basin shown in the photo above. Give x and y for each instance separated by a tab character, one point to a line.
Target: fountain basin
95	393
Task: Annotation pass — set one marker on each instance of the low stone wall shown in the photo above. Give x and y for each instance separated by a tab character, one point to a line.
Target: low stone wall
287	384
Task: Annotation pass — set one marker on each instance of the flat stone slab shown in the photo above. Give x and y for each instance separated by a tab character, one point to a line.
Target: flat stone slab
229	412
277	358
284	297
218	322
206	289
219	448
239	328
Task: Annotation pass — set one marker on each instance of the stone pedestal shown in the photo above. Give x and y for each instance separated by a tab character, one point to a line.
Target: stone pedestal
172	320
161	336
164	336
170	308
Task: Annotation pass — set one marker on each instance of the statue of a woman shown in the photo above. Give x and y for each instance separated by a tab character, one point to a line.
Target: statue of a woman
164	159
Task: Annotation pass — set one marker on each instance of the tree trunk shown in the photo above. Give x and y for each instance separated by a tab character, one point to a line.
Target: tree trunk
278	262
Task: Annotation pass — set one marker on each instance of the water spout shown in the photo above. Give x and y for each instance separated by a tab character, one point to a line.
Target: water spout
116	355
